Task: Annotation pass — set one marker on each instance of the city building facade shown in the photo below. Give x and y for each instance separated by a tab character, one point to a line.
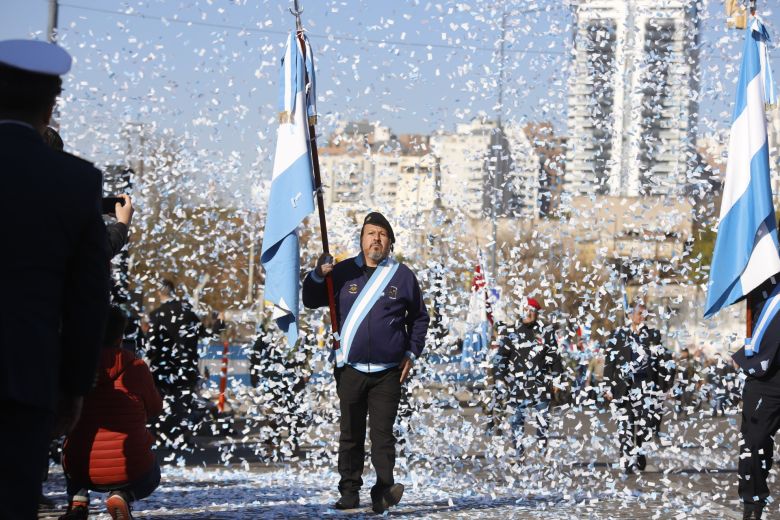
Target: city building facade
633	97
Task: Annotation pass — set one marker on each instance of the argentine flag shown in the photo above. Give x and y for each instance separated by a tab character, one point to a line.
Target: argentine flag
292	188
746	248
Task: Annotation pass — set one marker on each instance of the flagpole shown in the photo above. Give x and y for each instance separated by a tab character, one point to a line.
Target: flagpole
749	298
315	159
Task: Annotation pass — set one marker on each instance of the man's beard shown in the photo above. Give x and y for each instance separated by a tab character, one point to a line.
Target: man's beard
376	256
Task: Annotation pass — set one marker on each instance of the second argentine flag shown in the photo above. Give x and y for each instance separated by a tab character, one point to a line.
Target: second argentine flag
746	247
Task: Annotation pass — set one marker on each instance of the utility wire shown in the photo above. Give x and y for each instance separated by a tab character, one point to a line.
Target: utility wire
329	37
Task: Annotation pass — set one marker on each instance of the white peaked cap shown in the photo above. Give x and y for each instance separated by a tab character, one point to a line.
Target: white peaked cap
35	56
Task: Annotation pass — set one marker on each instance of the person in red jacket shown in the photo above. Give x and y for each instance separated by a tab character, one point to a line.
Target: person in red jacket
110	449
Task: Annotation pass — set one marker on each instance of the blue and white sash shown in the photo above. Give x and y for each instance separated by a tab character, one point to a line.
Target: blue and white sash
365	301
768	312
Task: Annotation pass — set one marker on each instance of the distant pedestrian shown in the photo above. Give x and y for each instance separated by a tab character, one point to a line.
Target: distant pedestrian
634	358
172	350
686	382
499	348
533	372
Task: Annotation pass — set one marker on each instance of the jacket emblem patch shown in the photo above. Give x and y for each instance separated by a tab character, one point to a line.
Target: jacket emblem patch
353	288
392	292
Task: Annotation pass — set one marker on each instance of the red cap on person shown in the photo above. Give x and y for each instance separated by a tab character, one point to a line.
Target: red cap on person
532	302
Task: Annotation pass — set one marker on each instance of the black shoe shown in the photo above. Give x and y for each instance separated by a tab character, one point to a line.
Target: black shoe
348	502
45	502
388	499
752	511
641	462
76	511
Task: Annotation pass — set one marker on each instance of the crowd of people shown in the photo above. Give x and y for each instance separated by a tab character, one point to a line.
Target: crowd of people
535	368
65	371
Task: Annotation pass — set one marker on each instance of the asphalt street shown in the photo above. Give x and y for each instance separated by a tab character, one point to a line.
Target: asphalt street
453	469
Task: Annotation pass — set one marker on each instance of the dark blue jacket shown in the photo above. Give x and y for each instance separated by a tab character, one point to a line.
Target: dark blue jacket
54	271
395	325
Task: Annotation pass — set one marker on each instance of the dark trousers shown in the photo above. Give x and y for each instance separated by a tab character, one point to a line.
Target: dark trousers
178	420
498	401
376	395
137	489
760	422
540	415
635	423
24	448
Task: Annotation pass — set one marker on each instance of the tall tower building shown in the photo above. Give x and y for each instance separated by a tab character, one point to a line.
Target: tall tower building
632	97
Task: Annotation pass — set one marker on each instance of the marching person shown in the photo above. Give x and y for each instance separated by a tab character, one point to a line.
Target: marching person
532	368
760	405
57	271
172	350
634	369
382	322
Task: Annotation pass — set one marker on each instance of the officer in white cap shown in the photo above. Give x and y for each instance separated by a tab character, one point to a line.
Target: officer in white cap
30	81
54	273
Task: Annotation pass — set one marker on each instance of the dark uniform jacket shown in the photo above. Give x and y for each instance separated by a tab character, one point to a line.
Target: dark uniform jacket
631	358
172	348
766	360
395	325
530	362
54	270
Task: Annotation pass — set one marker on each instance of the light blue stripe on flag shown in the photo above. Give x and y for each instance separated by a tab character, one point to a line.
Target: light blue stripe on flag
770	92
746	248
291	198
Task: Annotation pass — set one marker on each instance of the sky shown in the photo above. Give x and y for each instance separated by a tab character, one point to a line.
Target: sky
206	71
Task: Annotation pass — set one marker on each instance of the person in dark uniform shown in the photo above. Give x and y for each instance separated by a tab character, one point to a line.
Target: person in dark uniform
382	323
634	364
57	287
532	368
172	351
760	403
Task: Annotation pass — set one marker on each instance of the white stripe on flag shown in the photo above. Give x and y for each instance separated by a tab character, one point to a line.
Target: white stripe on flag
763	263
748	135
288	63
291	138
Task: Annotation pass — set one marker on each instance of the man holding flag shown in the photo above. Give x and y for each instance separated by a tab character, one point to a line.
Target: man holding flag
744	264
383	323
